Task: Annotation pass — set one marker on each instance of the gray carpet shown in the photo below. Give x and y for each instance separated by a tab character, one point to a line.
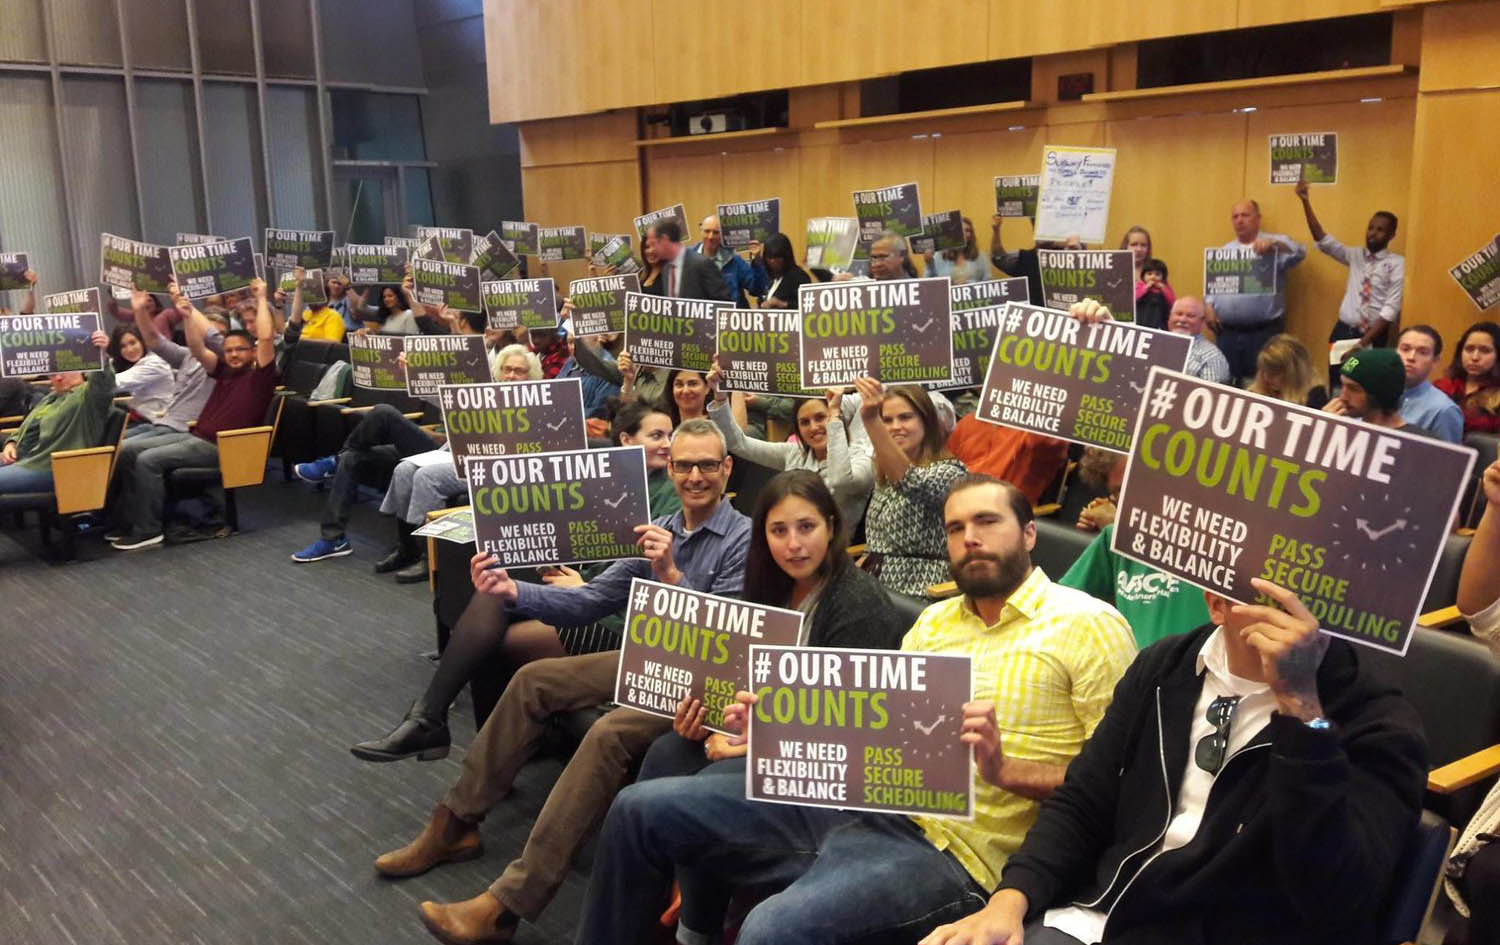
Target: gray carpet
174	731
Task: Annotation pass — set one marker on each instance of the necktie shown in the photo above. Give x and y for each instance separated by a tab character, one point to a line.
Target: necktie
672	280
1364	291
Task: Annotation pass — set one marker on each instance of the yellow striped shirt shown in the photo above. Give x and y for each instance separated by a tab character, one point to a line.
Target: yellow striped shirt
1050	664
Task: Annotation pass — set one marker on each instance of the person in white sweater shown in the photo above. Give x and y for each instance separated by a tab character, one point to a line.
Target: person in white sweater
841	454
143	374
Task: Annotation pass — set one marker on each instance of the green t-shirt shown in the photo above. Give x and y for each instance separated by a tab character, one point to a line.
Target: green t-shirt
1156	605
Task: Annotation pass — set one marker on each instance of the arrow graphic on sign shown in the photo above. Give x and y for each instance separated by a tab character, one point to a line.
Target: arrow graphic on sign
1364	526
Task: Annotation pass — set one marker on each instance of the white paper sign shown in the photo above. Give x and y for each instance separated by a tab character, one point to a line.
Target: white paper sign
1074	199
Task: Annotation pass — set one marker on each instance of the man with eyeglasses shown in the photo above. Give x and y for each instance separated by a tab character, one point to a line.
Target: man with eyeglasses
702	547
244	373
1251	782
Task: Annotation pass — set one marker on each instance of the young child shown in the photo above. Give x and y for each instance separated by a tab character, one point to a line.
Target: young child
1153	295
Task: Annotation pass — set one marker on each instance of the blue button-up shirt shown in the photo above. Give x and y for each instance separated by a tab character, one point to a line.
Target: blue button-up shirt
739	276
1426	406
1248	310
711	558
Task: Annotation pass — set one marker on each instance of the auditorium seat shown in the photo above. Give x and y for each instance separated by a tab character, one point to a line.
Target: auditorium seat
1487	445
80	485
243	454
1443	591
303	365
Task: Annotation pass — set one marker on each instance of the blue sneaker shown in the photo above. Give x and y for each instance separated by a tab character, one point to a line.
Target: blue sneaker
323	548
318	470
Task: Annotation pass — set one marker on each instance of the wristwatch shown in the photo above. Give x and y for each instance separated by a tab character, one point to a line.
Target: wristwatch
1319	724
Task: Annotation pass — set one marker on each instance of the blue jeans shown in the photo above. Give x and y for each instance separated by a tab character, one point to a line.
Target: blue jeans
141	431
14	478
845	877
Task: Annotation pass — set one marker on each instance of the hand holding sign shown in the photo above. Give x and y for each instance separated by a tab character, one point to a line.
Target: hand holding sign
487	579
982	732
1291	648
655	543
689	720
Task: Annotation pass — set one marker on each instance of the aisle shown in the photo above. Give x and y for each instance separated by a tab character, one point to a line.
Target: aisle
174	727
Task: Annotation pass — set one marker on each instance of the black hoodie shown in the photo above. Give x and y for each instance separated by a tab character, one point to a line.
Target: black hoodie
1300	838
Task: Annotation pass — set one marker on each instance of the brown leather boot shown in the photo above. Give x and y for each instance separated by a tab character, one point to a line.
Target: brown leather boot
482	920
445	839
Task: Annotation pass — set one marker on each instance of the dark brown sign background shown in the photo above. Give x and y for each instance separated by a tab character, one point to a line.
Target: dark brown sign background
438	283
559	508
685	644
1072	275
759	351
435	360
373	362
47	344
1052	374
895	331
599	303
204	269
512	303
886	735
1224	485
512	418
129	264
671	333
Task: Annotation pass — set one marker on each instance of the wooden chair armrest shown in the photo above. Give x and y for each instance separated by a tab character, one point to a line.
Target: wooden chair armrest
335	400
855	550
1465	771
242	455
439	513
945	589
123	399
1046	509
1438	619
1464	532
12	420
415	415
80	478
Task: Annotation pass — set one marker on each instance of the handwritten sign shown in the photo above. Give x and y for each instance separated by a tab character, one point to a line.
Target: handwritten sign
685	644
872	730
1074	195
1224	486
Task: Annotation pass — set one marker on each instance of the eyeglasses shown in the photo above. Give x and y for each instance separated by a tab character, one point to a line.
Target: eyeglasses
237	349
685	467
1211	748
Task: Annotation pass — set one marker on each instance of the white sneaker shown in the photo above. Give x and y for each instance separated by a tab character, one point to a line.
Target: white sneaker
132	542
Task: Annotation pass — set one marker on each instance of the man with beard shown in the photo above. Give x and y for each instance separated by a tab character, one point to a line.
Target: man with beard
1045	662
1372	296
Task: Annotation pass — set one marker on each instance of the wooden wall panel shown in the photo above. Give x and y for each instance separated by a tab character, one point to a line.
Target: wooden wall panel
1177	176
1266	12
1373	175
1456	190
606	136
705	50
1460	43
695	181
604	197
759	174
842	41
567	57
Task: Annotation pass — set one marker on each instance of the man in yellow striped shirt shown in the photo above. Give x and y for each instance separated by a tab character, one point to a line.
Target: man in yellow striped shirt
1045	662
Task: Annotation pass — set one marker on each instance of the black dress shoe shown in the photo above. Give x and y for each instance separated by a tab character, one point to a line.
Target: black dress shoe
413	573
427	738
401	556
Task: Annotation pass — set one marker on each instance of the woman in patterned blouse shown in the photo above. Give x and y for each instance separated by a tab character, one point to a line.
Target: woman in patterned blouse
908	548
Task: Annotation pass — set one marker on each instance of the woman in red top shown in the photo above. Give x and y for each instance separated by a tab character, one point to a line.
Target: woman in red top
1473	378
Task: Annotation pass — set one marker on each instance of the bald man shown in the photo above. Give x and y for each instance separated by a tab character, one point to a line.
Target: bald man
740	276
1247	322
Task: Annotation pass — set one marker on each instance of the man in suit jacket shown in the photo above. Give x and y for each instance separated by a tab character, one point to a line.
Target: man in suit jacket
685	274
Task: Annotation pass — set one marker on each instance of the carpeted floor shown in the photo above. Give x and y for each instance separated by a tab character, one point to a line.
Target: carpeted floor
174	732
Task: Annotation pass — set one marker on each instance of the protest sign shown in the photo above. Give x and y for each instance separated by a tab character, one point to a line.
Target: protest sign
597	242
435	360
129	264
260	267
411	244
493	258
831	242
894	331
456	243
520	303
1016	196
616	255
438	283
1073	199
375	263
562	242
456	526
599	303
74	300
760	351
48	344
685	644
520	237
1105	275
1224	486
888	208
512	418
374	362
430	247
288	249
204	269
13	267
744	223
977	310
187	239
1479	275
1238	271
1310	157
675	212
314	288
559	508
671	333
872	730
940	232
1049	373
